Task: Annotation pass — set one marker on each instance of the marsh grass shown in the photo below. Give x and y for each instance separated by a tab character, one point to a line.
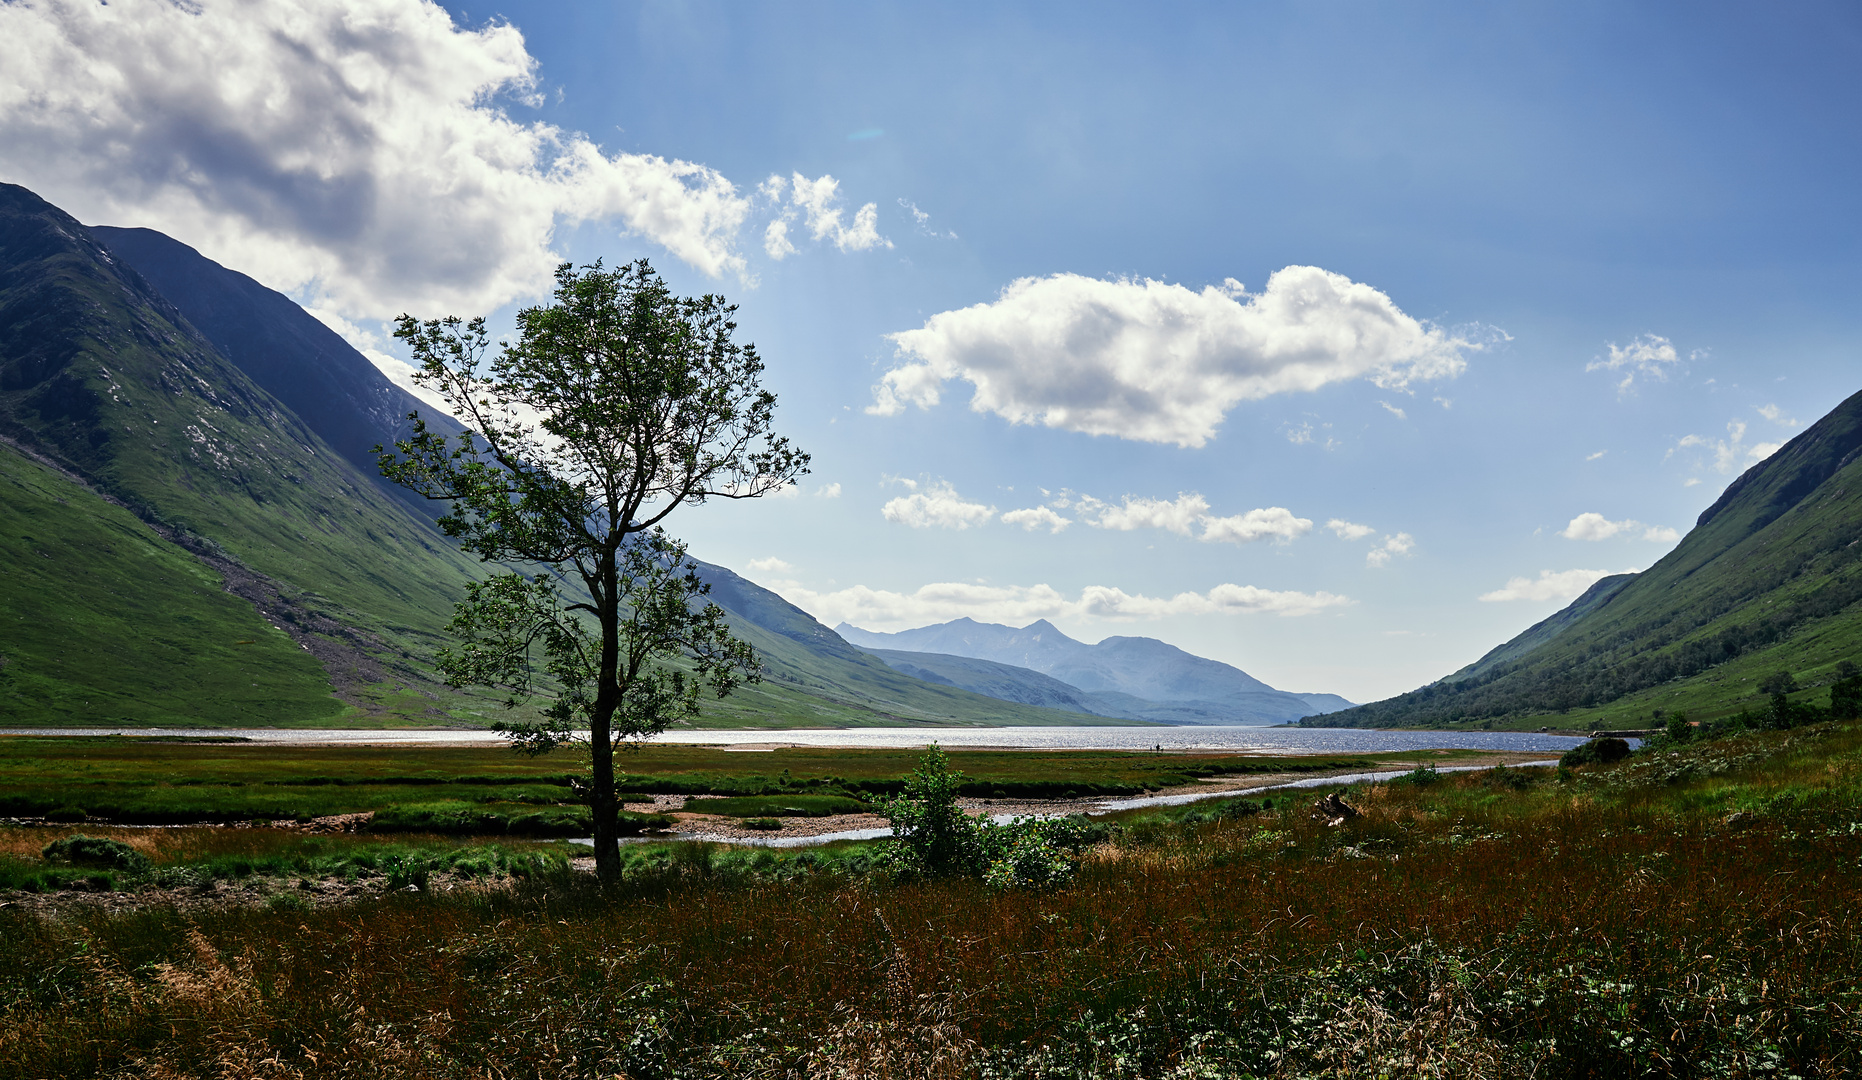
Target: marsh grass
1615	923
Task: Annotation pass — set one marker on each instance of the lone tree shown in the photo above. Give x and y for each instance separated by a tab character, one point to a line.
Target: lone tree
618	404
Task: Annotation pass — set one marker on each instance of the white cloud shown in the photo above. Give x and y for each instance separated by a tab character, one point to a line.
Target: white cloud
769	565
1595	456
1776	415
1590	526
1649	355
815	201
1177	515
1301	435
1394	411
1275	523
370	156
937	505
1036	517
1400	544
1347	530
1551	585
1729	452
1156	362
879	609
1184	514
828	491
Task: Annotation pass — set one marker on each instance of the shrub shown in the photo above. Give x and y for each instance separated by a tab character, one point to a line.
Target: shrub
92	851
768	824
1596	751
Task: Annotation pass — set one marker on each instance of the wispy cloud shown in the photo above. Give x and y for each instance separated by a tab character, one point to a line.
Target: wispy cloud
1649	356
1400	544
880	609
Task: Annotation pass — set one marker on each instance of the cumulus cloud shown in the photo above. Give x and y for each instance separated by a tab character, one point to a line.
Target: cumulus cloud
1347	530
770	565
828	491
1550	585
939	506
1185	514
1157	362
1728	453
1036	517
1400	544
1275	523
370	155
816	202
1649	355
880	609
1595	527
1177	515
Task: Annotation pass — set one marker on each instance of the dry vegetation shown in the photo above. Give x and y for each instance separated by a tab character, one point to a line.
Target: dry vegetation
1692	913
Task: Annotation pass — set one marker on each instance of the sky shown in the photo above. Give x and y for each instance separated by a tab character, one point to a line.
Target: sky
1337	341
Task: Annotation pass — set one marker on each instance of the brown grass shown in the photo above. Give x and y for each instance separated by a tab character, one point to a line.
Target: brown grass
1459	929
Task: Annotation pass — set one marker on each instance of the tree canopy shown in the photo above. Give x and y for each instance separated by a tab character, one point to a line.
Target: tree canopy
619	403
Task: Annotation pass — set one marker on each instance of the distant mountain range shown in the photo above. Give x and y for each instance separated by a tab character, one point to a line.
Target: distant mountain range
1131	677
1769	580
194	533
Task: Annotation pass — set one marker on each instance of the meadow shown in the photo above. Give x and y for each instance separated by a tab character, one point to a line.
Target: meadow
142	781
1687	912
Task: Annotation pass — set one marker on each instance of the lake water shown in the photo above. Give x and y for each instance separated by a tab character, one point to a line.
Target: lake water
1266	740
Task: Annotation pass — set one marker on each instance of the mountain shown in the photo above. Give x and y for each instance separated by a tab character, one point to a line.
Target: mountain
196	535
1130	677
1769	580
308	367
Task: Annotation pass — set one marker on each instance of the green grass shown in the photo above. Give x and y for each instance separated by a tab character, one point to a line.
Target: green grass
1611	921
760	806
133	781
103	623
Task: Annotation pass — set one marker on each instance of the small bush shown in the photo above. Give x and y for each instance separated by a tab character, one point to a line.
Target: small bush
1596	751
91	851
768	824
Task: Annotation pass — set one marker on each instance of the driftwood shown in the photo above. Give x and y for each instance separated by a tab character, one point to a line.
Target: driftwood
1334	811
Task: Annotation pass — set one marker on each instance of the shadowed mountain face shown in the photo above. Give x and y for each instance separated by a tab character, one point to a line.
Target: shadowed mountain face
1131	677
1769	579
308	367
221	441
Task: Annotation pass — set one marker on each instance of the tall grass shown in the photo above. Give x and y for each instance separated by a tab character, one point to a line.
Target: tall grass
1480	925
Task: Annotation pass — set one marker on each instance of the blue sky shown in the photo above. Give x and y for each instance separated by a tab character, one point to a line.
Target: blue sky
1569	270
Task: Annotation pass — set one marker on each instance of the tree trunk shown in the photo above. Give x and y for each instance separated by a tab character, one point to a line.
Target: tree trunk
600	734
601	804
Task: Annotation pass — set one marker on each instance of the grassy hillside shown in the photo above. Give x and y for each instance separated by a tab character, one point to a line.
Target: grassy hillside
106	623
1769	580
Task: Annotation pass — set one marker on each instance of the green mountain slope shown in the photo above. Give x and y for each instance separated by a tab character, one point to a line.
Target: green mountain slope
101	375
106	623
1769	580
108	380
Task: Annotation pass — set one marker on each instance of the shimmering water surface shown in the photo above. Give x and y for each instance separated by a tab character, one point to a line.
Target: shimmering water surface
1271	740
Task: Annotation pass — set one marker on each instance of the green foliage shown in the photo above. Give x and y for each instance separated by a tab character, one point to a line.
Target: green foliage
1594	751
933	837
618	404
1679	730
92	851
